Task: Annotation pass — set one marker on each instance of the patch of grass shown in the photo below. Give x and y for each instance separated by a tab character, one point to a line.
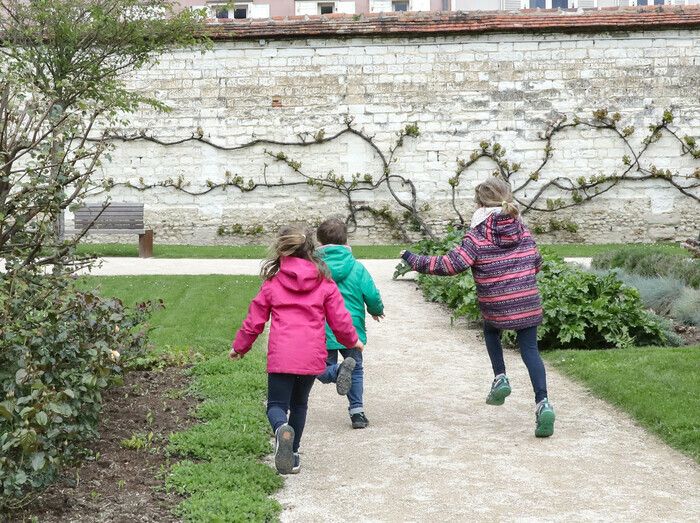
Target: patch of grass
221	251
658	386
377	252
225	479
574	250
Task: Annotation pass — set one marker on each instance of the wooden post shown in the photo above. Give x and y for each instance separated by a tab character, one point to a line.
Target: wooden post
146	244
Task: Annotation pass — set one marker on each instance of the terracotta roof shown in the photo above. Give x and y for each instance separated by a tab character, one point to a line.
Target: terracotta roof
432	23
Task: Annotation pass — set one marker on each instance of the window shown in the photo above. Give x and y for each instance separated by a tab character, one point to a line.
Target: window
326	9
560	4
535	4
221	11
399	6
240	12
445	5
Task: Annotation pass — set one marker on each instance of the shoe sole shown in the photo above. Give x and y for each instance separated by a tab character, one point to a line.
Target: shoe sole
545	424
344	380
361	425
284	454
498	397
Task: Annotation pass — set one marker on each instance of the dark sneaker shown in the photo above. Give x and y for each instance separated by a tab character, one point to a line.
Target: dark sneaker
344	380
359	420
284	455
500	390
297	464
544	416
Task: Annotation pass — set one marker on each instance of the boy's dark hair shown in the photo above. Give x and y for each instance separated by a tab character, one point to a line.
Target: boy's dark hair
332	231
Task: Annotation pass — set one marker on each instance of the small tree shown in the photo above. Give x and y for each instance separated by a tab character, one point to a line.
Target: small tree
63	69
61	91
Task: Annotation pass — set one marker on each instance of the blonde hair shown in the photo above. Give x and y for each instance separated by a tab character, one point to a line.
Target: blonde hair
496	192
295	242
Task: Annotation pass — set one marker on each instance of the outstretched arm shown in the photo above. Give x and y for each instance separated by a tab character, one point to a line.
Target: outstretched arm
371	295
457	260
253	325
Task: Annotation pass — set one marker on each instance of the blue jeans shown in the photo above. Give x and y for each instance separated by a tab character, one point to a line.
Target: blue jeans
288	393
527	342
331	376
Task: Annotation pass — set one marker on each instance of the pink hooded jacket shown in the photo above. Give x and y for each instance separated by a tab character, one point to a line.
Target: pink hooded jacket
300	303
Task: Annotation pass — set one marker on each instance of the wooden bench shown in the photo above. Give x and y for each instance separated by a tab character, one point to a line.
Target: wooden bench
117	218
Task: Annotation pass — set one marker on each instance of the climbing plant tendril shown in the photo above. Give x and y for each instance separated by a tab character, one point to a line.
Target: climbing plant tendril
569	192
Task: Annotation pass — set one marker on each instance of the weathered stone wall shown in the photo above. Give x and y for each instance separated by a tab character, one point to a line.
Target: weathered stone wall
459	89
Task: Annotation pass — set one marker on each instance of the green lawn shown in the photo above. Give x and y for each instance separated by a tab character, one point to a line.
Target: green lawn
361	251
659	387
590	250
222	475
222	251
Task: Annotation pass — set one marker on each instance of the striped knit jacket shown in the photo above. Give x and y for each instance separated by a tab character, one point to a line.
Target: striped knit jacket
504	260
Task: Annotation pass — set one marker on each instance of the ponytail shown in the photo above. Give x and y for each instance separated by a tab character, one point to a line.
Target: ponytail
495	192
510	208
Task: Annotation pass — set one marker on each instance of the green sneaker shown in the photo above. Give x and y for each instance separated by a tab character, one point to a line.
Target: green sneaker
544	415
500	390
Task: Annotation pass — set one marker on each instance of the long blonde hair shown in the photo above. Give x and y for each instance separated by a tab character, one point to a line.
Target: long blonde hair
295	242
496	192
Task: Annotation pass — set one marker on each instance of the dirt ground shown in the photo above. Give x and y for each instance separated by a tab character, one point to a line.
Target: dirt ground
123	485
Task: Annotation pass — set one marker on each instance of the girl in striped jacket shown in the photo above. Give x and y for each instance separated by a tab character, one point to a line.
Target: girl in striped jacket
504	260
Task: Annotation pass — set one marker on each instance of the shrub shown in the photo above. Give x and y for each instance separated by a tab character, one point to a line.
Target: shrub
59	349
581	309
651	263
686	308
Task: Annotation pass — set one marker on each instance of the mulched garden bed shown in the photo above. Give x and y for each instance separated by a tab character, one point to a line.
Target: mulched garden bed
124	484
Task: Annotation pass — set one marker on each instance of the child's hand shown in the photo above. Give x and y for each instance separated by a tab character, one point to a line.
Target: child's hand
233	355
402	253
359	345
377	317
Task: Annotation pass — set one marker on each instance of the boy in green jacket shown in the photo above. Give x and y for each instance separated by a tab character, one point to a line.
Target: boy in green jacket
358	289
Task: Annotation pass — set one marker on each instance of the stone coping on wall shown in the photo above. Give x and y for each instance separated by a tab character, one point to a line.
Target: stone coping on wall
450	22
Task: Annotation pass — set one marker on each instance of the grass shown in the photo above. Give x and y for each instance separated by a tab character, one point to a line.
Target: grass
361	251
659	387
589	250
221	251
222	477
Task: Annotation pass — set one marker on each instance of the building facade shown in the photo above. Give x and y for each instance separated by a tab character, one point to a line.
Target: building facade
219	10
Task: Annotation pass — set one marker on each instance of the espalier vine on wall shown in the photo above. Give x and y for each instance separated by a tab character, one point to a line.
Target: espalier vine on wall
569	192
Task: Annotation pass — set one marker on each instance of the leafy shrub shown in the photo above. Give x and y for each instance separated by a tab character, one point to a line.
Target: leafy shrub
581	310
658	294
59	349
651	263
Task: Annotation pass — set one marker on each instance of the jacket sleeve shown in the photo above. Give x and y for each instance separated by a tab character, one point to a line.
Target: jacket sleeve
457	260
371	295
338	317
254	323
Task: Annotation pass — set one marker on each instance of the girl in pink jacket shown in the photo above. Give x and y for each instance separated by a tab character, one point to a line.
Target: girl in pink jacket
300	296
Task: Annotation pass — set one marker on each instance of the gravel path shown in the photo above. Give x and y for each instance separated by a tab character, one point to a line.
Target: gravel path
435	451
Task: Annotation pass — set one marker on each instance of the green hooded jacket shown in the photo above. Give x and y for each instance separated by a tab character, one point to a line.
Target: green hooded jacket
356	286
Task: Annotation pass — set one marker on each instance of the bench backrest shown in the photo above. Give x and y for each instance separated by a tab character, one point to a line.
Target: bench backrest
117	216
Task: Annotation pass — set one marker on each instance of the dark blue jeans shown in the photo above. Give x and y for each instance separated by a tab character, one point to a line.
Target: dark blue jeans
288	393
527	342
356	389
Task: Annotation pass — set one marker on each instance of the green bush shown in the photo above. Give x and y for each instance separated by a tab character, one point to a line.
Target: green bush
651	263
581	309
59	349
666	296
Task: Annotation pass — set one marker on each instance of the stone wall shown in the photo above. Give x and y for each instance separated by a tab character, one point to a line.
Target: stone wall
460	89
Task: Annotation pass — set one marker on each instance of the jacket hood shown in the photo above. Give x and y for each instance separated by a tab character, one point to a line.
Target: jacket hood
298	275
339	259
503	230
